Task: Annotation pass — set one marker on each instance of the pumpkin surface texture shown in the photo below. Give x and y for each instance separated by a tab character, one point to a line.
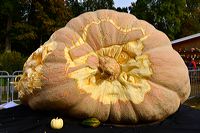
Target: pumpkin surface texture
106	65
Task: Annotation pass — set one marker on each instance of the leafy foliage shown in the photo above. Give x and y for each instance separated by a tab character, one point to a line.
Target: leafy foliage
26	24
32	23
11	61
75	7
92	5
191	20
123	9
8	14
46	17
164	15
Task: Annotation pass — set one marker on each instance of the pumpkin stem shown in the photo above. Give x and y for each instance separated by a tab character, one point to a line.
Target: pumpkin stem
109	68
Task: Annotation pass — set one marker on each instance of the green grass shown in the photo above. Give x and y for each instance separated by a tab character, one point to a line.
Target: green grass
3	82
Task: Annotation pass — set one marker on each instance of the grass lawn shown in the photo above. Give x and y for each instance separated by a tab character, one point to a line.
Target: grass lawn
193	102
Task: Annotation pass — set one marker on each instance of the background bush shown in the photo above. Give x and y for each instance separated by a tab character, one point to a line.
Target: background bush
11	61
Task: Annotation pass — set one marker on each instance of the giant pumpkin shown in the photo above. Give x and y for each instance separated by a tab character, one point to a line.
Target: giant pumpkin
107	65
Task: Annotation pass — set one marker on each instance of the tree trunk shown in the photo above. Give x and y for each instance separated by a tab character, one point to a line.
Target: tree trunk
7	38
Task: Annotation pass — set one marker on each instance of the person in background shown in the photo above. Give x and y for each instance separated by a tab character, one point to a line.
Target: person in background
192	65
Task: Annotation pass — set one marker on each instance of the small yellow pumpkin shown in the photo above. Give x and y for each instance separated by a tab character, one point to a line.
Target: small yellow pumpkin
56	123
106	65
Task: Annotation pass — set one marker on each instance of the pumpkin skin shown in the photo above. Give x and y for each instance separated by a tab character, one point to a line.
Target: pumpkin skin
106	65
56	123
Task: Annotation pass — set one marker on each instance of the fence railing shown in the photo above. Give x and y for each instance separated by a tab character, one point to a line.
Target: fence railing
8	93
194	82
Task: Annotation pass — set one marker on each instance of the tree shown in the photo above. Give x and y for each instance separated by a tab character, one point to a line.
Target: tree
48	16
23	33
8	10
39	19
32	23
164	15
104	4
191	20
143	10
76	7
92	5
123	9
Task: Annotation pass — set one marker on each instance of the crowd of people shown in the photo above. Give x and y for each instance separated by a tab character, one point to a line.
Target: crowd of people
191	57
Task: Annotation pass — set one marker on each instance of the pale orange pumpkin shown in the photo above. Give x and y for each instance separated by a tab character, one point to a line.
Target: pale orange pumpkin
107	65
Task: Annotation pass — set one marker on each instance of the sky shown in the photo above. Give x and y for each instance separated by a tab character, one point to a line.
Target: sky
123	3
